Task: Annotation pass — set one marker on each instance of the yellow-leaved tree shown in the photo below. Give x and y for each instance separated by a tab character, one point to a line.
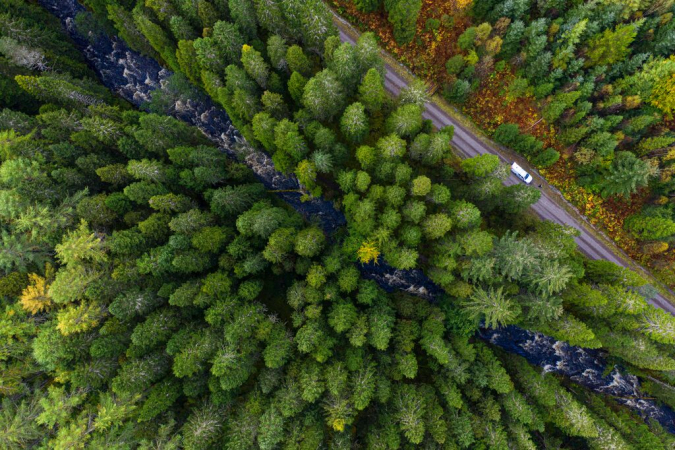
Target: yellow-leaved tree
663	94
368	252
78	318
462	4
35	297
656	84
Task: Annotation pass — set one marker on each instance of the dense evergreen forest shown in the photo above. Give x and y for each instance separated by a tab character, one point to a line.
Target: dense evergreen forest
583	89
156	296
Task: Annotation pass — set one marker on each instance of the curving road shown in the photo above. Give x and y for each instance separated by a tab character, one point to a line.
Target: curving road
468	145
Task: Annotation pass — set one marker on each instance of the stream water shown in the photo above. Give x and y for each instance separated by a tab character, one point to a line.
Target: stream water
583	366
134	77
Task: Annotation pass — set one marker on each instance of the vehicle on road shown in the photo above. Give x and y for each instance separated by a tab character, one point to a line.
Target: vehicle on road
521	173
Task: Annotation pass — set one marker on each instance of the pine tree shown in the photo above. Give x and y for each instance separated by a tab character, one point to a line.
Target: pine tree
61	90
296	86
298	61
519	197
18	427
345	65
403	16
202	427
648	227
181	29
157	38
229	41
611	46
255	65
309	242
129	31
243	14
415	93
277	49
371	91
409	409
626	175
497	309
367	5
163	9
406	121
354	123
323	96
270	16
481	166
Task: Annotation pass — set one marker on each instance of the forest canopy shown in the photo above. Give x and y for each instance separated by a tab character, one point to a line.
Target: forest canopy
156	294
583	90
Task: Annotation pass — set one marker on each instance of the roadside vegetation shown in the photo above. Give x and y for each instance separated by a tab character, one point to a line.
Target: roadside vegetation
585	92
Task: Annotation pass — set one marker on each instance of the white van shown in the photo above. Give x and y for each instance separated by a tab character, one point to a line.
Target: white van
520	173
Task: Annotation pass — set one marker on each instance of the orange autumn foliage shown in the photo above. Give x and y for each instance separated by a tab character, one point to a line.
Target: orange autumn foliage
427	54
489	109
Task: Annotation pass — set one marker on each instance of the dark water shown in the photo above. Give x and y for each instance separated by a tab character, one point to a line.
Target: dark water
134	77
411	281
584	366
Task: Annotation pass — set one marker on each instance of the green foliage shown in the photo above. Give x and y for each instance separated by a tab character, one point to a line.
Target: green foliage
17	422
406	121
309	242
518	198
626	175
62	90
611	46
354	123
457	92
467	39
480	166
391	146
298	62
323	95
507	134
157	37
367	5
185	307
494	306
371	91
547	158
647	228
255	65
243	14
455	65
403	17
421	186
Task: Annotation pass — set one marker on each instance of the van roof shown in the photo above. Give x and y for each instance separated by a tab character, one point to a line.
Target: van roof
516	168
